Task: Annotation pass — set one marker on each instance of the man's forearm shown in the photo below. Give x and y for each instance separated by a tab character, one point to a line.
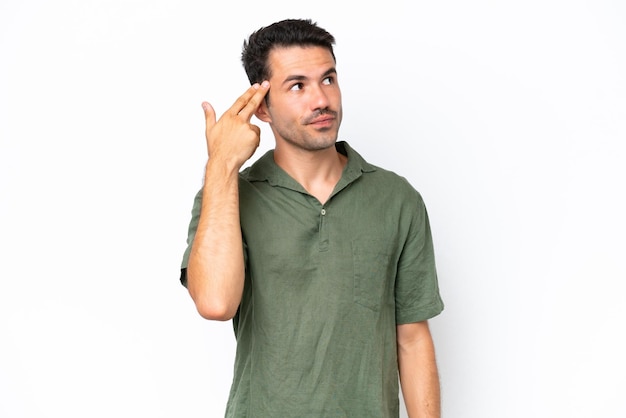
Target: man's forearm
216	271
419	376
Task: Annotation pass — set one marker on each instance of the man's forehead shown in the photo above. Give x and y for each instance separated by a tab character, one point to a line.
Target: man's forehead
300	60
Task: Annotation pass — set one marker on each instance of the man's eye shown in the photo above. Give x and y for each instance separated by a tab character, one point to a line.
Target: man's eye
328	81
297	86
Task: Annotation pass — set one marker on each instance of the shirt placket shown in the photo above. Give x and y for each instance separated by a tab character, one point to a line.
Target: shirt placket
323	229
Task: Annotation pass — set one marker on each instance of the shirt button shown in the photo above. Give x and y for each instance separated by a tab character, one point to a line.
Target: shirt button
323	212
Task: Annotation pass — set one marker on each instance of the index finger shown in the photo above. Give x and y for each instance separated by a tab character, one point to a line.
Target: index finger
250	101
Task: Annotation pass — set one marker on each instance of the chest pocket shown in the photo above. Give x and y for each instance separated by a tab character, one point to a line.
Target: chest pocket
373	272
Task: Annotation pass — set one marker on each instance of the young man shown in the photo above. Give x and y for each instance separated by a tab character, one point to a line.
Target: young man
324	262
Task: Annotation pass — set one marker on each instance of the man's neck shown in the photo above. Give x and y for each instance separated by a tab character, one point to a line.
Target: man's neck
317	171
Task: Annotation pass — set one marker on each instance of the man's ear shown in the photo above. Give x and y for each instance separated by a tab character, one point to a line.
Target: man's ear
262	114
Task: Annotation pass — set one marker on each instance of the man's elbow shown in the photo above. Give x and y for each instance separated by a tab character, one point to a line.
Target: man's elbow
216	300
214	310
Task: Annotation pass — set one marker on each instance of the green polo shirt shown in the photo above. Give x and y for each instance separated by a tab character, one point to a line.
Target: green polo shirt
325	287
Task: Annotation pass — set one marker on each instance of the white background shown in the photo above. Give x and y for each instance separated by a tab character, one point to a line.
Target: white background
509	117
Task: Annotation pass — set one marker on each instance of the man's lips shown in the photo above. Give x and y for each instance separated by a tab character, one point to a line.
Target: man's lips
322	120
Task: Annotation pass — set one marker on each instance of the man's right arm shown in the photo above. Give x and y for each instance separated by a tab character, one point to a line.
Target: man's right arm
215	272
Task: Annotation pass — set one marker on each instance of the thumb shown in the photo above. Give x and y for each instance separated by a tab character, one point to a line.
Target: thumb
209	115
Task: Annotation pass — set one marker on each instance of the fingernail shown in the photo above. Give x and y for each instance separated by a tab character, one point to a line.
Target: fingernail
265	84
255	86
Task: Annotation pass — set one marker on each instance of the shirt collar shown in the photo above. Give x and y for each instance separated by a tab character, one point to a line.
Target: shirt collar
265	169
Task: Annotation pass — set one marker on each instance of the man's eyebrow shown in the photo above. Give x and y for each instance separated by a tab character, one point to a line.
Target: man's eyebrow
297	77
294	77
330	71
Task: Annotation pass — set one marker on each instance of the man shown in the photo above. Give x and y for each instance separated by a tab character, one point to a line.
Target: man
323	261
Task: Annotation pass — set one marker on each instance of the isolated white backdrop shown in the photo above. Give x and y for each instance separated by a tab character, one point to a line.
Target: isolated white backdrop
509	117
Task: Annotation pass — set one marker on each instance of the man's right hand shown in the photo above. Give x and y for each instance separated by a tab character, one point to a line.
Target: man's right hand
233	139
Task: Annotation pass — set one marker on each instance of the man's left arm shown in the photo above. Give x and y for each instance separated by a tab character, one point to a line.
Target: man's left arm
419	376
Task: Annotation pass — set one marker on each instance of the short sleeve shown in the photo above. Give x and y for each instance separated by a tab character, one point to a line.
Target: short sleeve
417	289
191	233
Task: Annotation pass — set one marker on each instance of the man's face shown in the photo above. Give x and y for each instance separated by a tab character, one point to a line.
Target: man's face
304	106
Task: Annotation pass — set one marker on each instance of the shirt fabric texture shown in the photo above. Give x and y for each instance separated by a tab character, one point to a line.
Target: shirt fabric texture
325	286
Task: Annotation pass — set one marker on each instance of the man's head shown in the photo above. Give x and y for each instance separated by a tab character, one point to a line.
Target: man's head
286	33
296	57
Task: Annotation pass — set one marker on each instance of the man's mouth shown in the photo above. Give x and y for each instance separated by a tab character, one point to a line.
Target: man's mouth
322	118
